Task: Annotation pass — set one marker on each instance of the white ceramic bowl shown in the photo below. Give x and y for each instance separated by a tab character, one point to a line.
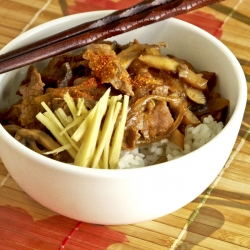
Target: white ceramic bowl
129	195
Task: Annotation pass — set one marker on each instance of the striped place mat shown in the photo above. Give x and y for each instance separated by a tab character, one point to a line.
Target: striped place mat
218	219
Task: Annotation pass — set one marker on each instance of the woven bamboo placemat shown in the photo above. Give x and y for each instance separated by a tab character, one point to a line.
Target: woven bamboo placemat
218	219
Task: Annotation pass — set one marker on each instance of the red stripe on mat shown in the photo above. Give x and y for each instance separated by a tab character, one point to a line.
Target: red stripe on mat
19	230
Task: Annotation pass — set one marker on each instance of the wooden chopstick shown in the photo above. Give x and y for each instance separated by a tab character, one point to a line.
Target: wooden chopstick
79	29
80	39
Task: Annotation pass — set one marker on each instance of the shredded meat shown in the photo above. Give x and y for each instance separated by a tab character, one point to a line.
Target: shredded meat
12	115
62	70
147	119
91	91
51	72
65	76
142	75
31	87
131	136
157	121
106	67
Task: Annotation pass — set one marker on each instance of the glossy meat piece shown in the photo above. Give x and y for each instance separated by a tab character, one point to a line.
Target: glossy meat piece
88	89
51	71
157	120
107	68
62	70
147	119
31	87
65	76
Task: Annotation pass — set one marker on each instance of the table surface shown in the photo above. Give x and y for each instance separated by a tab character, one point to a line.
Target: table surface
217	219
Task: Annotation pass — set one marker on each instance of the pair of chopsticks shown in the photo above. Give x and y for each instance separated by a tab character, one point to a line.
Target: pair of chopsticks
118	22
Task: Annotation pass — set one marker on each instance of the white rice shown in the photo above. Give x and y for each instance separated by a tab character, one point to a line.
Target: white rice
195	137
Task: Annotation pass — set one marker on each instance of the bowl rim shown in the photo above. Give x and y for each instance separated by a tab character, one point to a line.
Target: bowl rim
239	108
